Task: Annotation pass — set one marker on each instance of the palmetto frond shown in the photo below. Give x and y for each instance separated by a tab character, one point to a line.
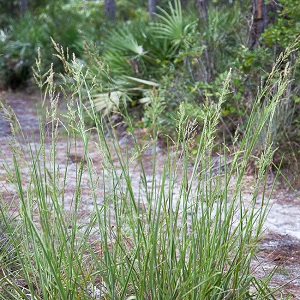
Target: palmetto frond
107	102
171	25
121	91
126	53
135	55
124	40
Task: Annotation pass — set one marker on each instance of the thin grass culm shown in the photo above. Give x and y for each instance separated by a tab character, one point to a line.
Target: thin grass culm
98	220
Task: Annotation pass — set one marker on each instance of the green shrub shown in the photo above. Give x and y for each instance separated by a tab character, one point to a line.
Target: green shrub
23	37
19	47
286	28
137	56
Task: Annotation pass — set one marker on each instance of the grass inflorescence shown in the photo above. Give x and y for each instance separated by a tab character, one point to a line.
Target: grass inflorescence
176	231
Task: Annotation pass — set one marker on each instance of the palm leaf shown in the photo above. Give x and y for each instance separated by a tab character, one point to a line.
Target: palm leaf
121	90
172	25
107	102
143	81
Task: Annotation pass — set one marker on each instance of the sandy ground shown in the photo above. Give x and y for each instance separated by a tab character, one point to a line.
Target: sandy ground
281	246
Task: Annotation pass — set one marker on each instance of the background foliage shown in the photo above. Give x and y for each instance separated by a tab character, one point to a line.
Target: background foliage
184	58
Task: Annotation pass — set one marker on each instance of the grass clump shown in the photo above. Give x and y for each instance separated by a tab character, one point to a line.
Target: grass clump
116	226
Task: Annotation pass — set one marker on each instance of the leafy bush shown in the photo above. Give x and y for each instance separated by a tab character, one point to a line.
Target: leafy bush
8	10
202	62
138	55
286	28
19	48
20	41
278	36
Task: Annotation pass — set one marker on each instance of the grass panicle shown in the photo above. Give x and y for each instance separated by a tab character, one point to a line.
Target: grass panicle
180	230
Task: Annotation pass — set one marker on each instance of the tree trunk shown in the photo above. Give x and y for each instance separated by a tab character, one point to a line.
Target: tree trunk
110	9
262	15
202	9
23	6
152	8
